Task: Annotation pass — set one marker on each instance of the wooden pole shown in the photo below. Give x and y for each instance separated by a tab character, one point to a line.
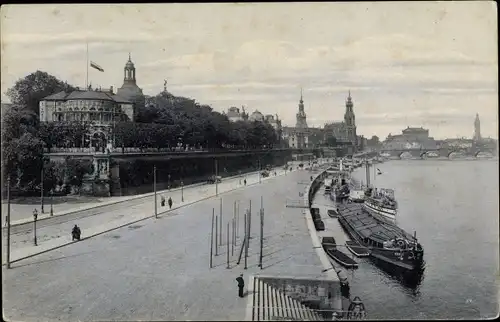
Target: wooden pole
261	236
250	221
216	177
232	237
212	240
220	230
246	240
227	239
237	219
216	233
243	245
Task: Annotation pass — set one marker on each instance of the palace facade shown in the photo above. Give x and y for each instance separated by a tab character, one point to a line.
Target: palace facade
96	107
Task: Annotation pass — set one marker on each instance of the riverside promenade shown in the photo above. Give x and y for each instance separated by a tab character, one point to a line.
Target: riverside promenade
158	269
55	231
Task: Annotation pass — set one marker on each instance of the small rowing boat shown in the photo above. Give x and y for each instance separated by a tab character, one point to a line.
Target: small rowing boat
357	249
330	248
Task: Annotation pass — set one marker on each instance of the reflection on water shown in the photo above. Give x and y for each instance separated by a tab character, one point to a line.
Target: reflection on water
410	280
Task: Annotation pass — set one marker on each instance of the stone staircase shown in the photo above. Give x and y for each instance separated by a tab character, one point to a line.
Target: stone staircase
270	304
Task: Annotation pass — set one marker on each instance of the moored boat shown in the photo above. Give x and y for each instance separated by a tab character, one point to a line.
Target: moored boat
386	242
330	248
382	202
357	249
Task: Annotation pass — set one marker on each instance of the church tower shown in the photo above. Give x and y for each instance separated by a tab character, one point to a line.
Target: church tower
129	89
350	121
477	129
301	115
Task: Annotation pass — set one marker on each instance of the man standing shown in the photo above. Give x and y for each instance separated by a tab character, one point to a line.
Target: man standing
241	285
170	202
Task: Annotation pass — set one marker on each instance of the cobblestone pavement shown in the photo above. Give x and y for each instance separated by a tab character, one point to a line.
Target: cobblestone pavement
21	212
56	231
158	269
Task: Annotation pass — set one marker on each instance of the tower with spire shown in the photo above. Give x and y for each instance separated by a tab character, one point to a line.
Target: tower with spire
301	115
477	129
129	89
350	121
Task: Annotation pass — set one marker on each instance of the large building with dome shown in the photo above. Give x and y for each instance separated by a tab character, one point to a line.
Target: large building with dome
99	108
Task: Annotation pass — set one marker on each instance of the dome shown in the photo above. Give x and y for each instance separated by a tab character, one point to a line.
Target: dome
129	64
256	116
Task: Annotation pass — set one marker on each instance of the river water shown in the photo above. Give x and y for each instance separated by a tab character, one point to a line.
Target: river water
453	207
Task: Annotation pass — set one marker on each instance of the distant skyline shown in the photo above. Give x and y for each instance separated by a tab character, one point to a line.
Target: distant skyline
430	64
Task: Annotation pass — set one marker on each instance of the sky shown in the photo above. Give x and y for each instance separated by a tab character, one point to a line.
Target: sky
430	64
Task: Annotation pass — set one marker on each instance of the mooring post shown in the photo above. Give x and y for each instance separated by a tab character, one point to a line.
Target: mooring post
212	240
241	252
227	239
232	237
250	220
216	233
261	236
237	219
220	230
246	240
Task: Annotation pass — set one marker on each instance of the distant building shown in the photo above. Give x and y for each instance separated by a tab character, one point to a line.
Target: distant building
256	116
477	129
298	136
411	138
344	132
98	108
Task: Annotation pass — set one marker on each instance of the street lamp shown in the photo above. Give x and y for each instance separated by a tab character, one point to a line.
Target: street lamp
41	186
182	191
169	181
52	202
35	216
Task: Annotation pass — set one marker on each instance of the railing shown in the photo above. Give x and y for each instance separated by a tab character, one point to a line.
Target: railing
117	150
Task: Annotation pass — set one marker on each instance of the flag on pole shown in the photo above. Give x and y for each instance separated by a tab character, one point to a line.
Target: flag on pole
94	65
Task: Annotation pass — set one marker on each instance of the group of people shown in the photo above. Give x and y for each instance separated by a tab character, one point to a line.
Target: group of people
170	202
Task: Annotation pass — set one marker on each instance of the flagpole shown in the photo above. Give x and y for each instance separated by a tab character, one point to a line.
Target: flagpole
87	77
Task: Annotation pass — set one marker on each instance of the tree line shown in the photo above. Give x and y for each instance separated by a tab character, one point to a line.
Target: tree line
165	121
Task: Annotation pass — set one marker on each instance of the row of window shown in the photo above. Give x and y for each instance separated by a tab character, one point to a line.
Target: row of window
100	117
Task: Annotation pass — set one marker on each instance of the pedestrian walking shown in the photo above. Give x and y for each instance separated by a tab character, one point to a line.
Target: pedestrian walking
163	201
170	202
76	233
241	285
245	182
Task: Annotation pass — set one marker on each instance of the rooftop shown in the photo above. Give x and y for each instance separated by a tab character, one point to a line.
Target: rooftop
86	95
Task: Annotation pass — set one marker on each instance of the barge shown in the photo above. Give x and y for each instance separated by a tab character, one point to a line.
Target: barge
387	242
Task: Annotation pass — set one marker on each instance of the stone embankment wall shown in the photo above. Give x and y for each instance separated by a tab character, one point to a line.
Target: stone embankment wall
328	269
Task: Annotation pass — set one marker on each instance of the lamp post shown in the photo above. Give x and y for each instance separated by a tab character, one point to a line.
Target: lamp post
182	191
169	181
154	189
8	222
35	216
41	186
52	202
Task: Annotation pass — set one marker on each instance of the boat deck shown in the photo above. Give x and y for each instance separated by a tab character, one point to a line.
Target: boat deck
369	225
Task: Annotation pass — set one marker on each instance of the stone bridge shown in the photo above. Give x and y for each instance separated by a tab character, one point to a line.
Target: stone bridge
443	152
